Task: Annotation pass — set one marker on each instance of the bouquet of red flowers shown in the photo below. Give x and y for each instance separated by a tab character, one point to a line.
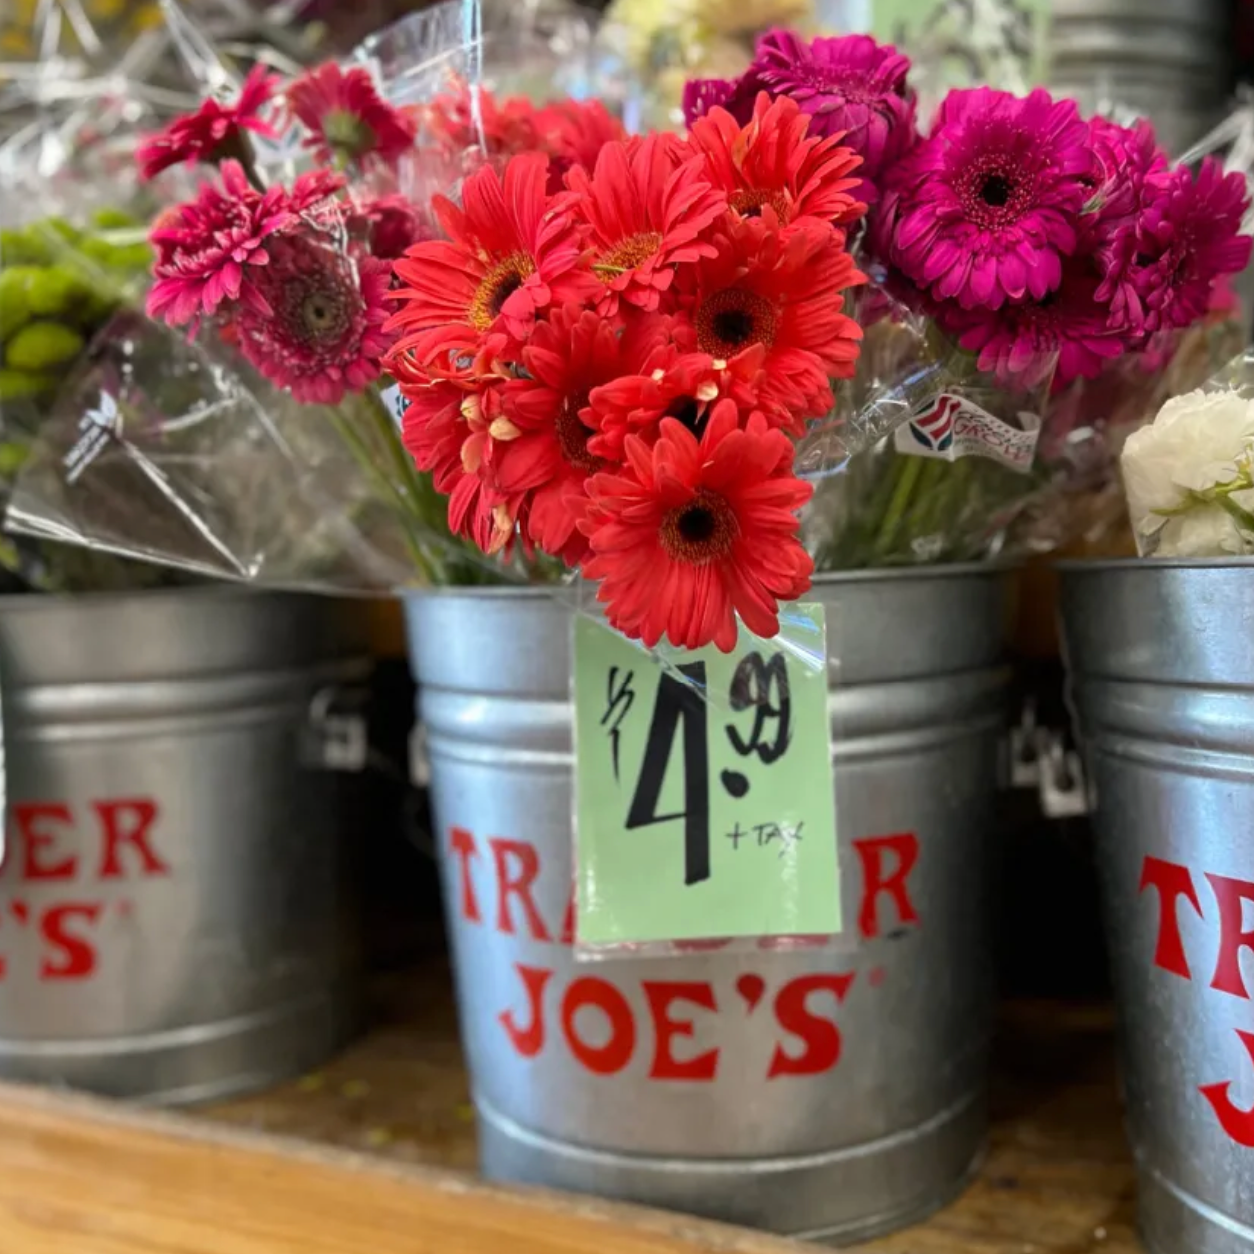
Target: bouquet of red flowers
615	372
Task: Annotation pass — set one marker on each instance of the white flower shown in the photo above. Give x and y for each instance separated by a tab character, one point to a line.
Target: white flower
1180	469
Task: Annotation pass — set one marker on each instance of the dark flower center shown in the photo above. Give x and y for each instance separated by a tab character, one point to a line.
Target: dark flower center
996	191
573	435
732	320
496	287
700	532
321	312
687	409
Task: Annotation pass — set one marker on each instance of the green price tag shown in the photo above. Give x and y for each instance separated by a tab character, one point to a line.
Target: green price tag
704	788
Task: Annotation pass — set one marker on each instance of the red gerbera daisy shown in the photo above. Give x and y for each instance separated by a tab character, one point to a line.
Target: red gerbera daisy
323	334
506	257
503	128
214	131
691	533
208	248
771	162
573	132
646	208
780	292
347	119
543	451
685	386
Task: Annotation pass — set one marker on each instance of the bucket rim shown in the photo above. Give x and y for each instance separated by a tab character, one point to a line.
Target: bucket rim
31	602
883	574
1074	565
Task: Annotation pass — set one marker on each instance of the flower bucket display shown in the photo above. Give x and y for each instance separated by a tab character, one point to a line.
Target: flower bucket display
636	423
831	1092
177	920
1159	658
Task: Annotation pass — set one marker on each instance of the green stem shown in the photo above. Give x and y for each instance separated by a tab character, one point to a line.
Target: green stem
907	475
347	419
1243	518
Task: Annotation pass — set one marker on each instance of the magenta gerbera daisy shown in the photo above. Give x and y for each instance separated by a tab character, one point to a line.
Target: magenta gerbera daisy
214	131
850	86
1162	267
209	249
324	333
347	119
1020	343
985	209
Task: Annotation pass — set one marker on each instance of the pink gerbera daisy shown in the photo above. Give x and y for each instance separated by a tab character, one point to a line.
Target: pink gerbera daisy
209	249
214	131
506	256
1020	343
986	207
323	335
1161	268
645	209
778	295
770	161
851	87
690	533
347	119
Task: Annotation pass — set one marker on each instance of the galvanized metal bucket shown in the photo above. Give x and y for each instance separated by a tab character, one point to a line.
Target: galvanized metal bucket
1162	679
824	1093
175	925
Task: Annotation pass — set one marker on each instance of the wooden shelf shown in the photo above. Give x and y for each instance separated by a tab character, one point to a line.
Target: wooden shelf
1057	1179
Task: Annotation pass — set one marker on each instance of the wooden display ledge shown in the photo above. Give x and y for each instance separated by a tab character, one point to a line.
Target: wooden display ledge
372	1156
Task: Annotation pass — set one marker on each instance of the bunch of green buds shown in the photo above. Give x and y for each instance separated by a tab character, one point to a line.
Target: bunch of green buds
58	286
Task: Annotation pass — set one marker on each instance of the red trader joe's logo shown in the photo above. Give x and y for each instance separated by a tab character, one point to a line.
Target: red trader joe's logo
1177	890
809	1042
57	859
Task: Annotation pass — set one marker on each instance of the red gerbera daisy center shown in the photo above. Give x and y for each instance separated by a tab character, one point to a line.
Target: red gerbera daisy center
573	435
731	320
700	531
995	191
627	255
496	287
687	410
749	201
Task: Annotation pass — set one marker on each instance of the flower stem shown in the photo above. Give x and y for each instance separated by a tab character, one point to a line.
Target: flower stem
907	475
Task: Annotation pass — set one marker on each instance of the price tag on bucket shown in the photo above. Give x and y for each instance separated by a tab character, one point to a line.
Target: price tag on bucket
704	801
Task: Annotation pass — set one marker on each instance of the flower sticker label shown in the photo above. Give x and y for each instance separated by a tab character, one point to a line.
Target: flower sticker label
96	427
704	798
395	403
951	427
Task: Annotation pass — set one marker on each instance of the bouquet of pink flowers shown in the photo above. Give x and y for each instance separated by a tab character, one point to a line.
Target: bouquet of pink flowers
1017	252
